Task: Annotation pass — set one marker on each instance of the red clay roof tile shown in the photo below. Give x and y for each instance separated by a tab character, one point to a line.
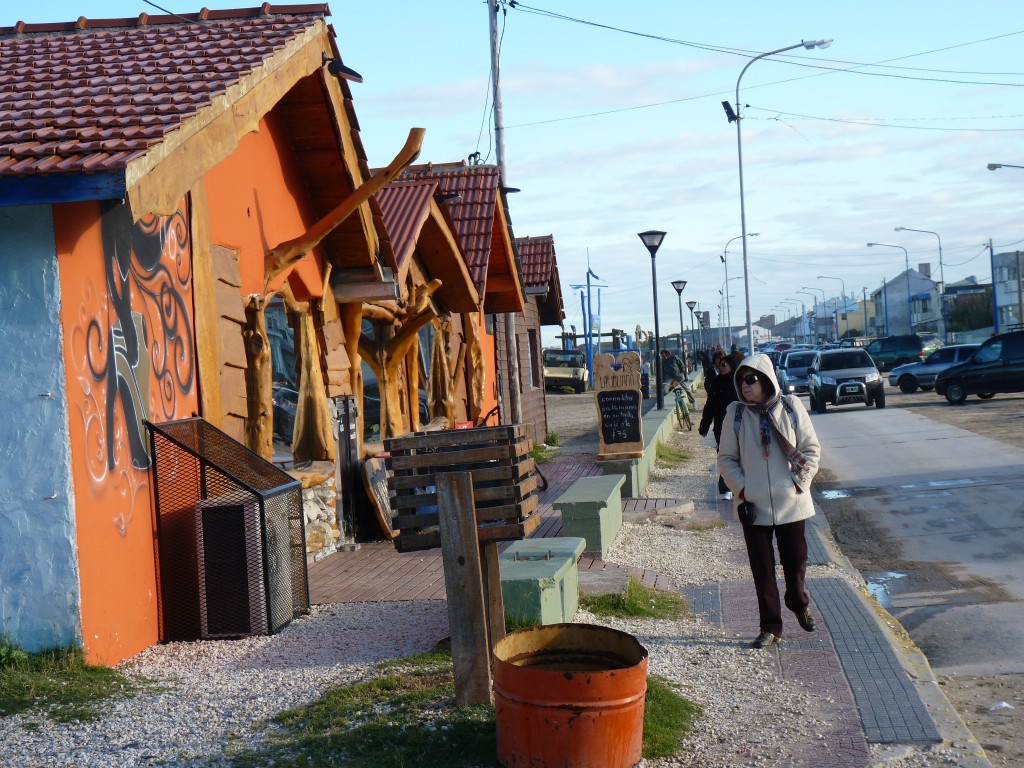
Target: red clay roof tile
95	94
473	214
538	258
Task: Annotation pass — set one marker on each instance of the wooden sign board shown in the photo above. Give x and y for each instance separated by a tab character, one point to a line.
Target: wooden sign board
617	396
375	481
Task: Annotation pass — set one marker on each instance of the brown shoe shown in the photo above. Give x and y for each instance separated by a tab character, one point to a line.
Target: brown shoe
807	622
764	640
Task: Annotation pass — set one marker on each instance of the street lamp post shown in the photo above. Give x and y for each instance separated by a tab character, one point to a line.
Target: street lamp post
997	166
693	334
725	260
679	285
843	294
803	317
910	304
653	239
736	117
814	297
942	280
796	304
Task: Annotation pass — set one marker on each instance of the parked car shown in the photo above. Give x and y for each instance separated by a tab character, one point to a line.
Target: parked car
996	367
844	377
890	351
565	368
792	371
913	375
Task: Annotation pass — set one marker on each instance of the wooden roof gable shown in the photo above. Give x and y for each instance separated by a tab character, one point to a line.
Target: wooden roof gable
141	109
478	211
418	224
540	274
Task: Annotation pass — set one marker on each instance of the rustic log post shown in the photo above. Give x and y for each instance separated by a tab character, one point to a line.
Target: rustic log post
259	426
312	439
475	363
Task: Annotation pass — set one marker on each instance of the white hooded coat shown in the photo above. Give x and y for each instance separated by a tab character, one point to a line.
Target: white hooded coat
779	494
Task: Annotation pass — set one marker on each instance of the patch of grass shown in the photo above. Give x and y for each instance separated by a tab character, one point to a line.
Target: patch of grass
542	453
57	681
705	525
671	457
514	622
552	438
668	717
639	601
406	719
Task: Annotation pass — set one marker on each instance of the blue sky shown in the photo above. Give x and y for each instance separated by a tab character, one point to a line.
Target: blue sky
609	133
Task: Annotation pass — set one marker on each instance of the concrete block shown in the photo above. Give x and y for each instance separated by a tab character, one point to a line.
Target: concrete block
591	508
539	579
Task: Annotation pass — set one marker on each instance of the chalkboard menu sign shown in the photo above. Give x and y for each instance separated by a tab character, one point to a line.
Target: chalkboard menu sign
618	411
617	395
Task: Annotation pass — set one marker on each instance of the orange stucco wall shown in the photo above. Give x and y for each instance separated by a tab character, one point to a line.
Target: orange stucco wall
491	363
256	200
116	377
126	316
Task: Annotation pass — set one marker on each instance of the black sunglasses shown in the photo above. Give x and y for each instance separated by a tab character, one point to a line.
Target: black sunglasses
750	378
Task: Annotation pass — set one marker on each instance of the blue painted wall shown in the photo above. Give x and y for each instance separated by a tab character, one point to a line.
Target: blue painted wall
39	592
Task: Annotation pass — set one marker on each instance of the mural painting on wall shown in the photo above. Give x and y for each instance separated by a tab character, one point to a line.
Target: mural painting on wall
133	348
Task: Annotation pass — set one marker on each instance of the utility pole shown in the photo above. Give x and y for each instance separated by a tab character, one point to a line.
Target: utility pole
511	345
995	302
1020	293
865	293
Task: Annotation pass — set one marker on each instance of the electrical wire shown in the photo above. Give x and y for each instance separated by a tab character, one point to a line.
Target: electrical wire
853	68
877	123
747	53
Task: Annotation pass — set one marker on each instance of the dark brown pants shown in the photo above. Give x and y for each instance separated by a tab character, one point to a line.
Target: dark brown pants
792	555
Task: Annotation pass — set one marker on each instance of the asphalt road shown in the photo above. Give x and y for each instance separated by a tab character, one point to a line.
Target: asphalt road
933	516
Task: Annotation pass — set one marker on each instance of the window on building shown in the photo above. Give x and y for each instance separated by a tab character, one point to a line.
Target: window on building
536	373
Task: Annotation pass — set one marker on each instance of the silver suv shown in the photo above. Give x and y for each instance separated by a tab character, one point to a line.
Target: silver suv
844	377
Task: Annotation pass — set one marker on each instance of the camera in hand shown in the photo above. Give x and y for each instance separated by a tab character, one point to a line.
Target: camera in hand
746	513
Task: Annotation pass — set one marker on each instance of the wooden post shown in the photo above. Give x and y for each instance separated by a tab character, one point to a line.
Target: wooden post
493	599
463	583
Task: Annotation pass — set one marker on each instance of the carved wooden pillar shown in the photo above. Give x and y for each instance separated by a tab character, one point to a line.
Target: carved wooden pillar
259	427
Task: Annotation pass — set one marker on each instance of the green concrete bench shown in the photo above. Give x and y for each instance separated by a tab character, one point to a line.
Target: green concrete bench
592	508
539	580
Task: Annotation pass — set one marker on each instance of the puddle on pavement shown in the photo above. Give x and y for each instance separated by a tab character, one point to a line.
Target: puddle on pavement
878	586
830	495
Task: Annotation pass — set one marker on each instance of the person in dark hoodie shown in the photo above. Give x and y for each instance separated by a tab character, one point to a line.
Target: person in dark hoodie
768	456
721	391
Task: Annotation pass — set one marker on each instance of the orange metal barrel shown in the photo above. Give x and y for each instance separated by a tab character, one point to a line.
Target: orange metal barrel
569	696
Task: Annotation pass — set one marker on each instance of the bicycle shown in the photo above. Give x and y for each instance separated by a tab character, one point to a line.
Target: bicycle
682	406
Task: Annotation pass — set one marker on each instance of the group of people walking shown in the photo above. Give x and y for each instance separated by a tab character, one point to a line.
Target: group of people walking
768	454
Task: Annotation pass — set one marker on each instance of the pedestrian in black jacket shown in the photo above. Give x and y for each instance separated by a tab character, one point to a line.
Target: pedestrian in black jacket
721	391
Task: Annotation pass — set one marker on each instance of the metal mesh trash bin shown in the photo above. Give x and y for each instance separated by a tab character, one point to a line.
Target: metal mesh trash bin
230	536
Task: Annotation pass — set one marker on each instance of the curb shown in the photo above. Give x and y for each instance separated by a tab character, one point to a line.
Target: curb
951	727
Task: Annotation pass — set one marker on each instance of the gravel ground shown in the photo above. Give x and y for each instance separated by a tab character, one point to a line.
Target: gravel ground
219	695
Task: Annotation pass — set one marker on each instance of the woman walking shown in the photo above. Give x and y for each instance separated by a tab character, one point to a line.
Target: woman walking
721	391
768	456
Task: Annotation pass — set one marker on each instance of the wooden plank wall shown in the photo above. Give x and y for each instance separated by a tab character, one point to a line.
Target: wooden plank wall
533	399
535	413
231	350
